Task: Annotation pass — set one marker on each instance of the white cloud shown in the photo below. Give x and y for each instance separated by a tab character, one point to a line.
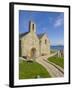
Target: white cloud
60	42
59	21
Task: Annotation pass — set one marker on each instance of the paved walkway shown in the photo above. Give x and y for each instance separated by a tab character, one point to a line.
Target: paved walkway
52	69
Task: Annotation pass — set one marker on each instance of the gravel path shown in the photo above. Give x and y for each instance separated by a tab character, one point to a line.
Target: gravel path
54	72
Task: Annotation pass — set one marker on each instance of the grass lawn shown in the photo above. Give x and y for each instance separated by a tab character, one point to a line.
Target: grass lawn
29	70
57	60
52	51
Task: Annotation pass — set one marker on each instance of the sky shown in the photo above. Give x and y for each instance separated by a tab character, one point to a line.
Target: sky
51	23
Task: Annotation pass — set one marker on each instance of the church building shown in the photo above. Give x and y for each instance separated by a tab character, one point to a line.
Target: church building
33	45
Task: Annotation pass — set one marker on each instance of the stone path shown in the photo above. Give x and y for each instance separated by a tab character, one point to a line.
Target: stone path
53	70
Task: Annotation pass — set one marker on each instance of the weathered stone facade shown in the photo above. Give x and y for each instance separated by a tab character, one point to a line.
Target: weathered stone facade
33	45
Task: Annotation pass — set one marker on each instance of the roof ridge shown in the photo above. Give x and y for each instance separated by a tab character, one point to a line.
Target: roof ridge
40	35
23	34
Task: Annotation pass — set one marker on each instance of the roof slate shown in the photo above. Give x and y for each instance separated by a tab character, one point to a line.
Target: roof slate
23	34
38	35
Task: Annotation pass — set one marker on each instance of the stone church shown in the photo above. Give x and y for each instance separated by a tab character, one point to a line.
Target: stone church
32	45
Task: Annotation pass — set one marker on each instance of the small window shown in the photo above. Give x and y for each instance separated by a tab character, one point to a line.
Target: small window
33	27
45	41
40	41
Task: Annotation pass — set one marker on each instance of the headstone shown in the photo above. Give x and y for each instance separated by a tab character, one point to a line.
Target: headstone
59	54
38	76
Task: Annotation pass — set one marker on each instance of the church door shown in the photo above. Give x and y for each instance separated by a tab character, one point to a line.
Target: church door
33	53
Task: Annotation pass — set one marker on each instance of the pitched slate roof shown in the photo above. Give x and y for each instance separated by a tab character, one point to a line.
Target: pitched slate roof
40	35
23	34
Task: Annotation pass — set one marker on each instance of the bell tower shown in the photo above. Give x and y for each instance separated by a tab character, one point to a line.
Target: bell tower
32	26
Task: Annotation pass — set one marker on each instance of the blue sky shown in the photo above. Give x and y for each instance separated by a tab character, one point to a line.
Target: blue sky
51	23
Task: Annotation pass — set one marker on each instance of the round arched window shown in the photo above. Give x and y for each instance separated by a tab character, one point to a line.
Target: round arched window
33	27
45	41
40	41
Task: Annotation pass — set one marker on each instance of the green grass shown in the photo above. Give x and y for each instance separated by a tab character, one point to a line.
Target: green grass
29	70
57	60
52	51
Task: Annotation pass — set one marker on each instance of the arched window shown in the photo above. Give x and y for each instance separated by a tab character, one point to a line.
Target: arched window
33	27
45	41
40	41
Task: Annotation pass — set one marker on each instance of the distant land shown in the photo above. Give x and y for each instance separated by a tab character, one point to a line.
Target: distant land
57	47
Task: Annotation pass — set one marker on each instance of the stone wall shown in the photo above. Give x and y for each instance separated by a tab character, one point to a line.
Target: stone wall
28	42
45	46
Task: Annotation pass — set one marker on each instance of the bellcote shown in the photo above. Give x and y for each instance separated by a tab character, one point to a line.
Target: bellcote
32	26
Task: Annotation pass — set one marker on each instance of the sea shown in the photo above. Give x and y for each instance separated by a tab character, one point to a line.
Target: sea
57	47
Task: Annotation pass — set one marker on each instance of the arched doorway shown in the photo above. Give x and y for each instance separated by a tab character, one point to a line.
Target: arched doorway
33	52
